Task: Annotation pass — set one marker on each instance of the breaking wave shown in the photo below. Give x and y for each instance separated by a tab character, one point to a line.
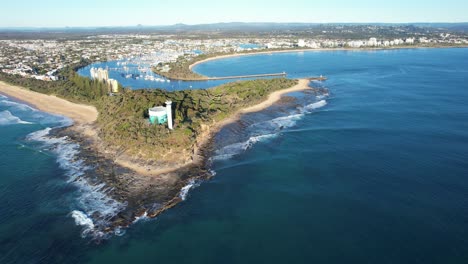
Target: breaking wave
266	130
81	219
94	208
19	106
7	118
192	183
278	123
34	114
142	217
323	96
232	150
316	105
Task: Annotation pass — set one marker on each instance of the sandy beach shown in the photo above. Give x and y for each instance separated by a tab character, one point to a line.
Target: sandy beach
208	133
79	113
274	97
135	181
254	53
308	50
84	116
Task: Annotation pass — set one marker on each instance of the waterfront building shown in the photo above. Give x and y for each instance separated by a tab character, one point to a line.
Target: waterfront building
372	42
301	43
409	41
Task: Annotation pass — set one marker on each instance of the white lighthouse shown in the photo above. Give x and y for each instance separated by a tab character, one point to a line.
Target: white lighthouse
169	114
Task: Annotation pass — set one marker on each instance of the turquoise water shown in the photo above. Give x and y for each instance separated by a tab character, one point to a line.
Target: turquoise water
375	172
134	76
249	46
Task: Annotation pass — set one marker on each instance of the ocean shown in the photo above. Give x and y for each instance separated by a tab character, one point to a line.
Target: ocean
374	171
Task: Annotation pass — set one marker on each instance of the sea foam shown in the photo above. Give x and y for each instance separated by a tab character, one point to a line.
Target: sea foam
17	105
192	183
232	150
81	219
316	105
266	130
7	118
94	208
34	114
142	217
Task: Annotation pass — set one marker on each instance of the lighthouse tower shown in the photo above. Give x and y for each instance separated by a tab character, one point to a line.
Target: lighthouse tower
169	114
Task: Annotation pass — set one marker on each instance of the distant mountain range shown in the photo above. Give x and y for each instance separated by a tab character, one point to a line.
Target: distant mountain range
236	28
292	26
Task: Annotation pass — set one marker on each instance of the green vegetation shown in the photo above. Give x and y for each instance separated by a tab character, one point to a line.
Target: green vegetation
123	118
179	70
71	86
123	123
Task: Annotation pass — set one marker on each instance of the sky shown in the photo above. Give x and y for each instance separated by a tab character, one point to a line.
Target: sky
91	13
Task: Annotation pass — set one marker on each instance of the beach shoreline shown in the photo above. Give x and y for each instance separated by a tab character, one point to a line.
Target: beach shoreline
81	114
85	115
261	52
203	140
132	181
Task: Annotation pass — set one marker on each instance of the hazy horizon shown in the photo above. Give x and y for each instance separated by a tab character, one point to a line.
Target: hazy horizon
87	13
233	22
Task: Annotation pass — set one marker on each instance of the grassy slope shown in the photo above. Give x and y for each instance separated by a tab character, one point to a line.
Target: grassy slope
122	119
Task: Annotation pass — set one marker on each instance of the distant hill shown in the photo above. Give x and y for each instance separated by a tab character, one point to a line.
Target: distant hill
461	27
236	26
228	28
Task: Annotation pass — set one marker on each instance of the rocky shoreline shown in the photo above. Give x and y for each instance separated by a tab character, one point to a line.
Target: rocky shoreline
140	187
143	195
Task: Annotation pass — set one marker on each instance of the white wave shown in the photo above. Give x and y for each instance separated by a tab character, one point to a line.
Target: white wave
142	217
3	96
229	151
185	190
50	119
81	219
92	199
316	105
267	130
276	124
6	118
41	117
39	135
323	96
18	106
286	121
66	152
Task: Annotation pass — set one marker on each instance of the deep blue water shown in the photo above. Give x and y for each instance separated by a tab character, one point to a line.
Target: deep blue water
376	172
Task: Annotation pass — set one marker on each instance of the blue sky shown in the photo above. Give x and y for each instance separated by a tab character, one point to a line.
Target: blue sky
53	13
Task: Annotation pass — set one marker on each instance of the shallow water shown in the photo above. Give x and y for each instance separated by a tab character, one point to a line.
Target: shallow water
375	172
